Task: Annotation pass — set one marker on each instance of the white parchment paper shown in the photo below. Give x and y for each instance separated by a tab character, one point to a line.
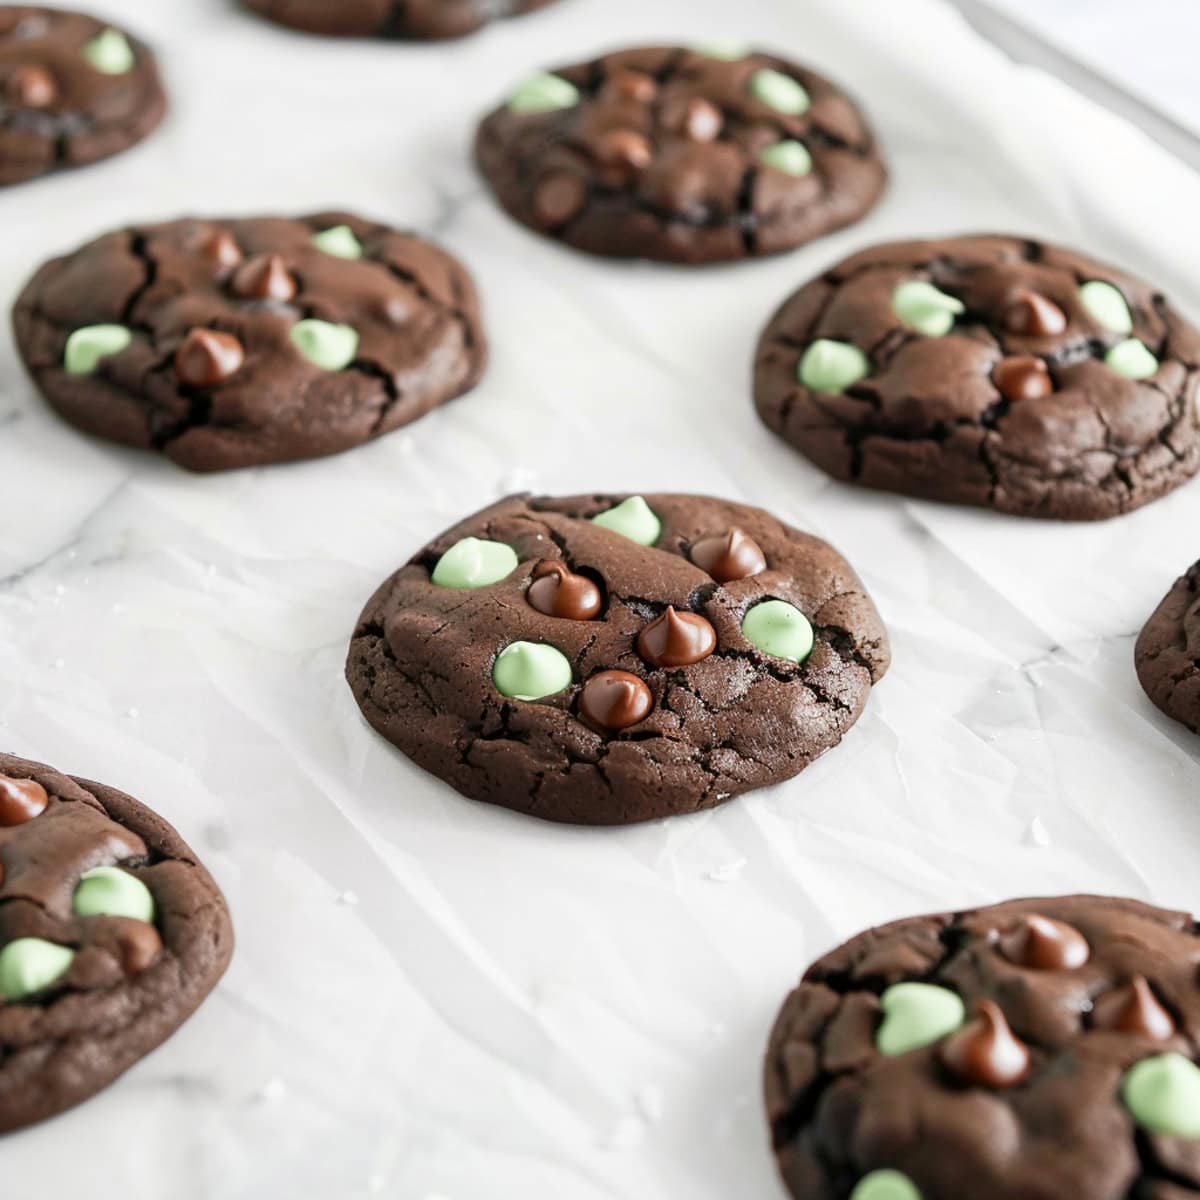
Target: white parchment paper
436	1000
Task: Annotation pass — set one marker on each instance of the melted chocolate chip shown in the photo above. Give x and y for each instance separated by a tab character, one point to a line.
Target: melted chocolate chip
221	248
615	700
676	639
631	85
31	87
1022	377
559	592
1045	945
208	357
1133	1008
729	556
559	197
20	800
1033	315
140	945
264	277
625	151
986	1051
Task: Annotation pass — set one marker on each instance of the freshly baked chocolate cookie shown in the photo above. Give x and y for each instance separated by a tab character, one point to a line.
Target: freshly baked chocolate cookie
111	934
231	343
987	370
605	660
691	155
1167	654
72	90
1032	1050
392	18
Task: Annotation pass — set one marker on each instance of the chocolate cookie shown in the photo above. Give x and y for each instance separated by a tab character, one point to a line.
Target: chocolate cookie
231	343
72	90
392	18
1167	654
986	370
111	934
1033	1050
693	155
605	660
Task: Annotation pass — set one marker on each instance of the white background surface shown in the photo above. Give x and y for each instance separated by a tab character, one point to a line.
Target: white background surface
432	998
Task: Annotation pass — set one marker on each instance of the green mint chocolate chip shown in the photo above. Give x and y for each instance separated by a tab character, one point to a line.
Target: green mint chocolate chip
1163	1094
111	892
780	629
338	241
329	346
1131	359
543	93
885	1185
722	50
87	346
474	563
1105	305
779	91
925	308
916	1014
829	366
632	518
531	670
30	964
110	53
790	157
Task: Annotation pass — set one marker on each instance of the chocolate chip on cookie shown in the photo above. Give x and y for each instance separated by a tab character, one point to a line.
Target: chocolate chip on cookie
72	90
687	155
987	370
416	19
607	659
230	343
111	934
1167	653
1037	1048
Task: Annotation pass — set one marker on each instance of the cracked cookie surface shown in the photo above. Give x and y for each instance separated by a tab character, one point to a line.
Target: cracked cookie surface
416	19
1046	384
73	90
653	700
681	155
229	343
1037	1049
111	934
1167	653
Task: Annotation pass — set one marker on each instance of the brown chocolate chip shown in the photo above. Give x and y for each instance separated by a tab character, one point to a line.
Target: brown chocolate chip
1033	315
557	198
207	357
559	592
1133	1009
20	800
631	85
615	700
702	120
1022	377
222	250
140	945
264	277
624	150
729	556
986	1051
676	639
31	87
1045	945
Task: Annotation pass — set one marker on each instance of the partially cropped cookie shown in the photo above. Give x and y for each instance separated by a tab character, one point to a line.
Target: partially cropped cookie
111	934
227	343
687	155
1032	1050
73	89
608	659
1167	654
392	18
993	371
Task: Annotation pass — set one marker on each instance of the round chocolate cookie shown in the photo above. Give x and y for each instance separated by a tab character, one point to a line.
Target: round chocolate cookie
72	90
1033	1050
230	343
607	659
1167	654
111	934
686	155
986	370
415	19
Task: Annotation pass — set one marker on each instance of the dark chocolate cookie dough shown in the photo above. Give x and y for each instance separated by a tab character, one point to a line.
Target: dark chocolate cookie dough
111	934
391	18
607	659
72	90
687	155
1167	654
1033	1050
987	370
226	343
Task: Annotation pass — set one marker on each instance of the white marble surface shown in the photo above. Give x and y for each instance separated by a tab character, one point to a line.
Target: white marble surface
434	999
